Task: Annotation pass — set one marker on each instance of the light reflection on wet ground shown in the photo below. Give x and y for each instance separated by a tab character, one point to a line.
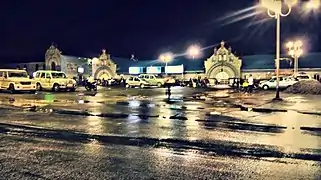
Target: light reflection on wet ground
39	159
149	114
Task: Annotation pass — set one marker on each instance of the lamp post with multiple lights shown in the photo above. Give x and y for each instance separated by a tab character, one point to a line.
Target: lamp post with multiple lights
275	10
295	51
313	5
194	51
166	58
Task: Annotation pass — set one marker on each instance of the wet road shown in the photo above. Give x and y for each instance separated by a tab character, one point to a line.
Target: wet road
137	134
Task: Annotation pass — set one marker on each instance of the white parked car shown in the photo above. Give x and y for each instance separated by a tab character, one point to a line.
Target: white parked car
303	77
284	83
154	80
133	81
16	80
54	80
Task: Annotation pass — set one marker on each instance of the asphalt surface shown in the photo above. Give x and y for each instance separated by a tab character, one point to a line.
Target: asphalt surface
141	134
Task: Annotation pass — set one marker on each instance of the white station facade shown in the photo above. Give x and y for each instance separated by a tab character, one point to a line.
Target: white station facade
222	64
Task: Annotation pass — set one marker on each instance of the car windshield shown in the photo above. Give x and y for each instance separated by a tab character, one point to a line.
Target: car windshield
18	74
158	76
58	75
272	80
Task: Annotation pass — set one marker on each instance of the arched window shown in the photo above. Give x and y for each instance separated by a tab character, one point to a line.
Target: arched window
37	67
44	67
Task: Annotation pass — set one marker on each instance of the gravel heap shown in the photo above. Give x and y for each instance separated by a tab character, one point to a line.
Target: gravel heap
305	87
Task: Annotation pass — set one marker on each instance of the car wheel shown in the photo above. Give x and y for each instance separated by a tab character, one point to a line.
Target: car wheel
142	86
56	88
265	87
72	89
11	88
33	92
38	86
159	84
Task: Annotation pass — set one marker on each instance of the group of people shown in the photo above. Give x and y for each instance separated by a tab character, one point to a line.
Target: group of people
248	84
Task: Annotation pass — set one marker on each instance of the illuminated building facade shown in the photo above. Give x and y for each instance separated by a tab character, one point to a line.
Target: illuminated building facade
222	64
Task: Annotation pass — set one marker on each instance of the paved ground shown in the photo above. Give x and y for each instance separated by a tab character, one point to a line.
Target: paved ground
140	134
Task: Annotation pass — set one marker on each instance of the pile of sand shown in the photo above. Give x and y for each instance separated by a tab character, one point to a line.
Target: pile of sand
305	87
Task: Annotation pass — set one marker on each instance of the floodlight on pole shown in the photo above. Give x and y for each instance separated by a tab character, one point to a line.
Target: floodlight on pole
274	10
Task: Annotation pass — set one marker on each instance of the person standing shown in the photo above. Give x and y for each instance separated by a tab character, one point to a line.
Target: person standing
250	81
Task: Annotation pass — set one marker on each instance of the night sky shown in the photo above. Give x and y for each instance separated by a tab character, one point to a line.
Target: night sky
142	27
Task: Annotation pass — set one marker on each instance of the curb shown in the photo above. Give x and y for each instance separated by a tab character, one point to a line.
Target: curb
310	113
314	129
262	110
104	115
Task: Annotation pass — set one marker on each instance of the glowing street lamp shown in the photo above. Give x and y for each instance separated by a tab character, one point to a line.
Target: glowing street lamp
274	10
313	4
194	51
166	58
295	51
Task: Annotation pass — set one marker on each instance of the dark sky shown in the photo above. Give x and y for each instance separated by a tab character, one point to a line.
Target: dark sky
142	27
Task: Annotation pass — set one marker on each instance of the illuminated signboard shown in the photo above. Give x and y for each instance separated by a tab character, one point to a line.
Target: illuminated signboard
174	69
154	70
135	70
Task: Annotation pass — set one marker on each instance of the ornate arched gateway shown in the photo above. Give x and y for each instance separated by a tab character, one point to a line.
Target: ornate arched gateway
103	67
53	58
223	64
104	72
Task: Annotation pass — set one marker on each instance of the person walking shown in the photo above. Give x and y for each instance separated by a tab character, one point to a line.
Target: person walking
250	81
245	86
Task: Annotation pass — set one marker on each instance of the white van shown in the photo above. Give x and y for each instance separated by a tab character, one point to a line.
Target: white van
54	80
16	80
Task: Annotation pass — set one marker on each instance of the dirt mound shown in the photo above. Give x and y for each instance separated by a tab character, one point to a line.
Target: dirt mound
305	87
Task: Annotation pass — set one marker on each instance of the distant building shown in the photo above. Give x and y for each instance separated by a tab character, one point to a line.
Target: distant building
71	65
222	64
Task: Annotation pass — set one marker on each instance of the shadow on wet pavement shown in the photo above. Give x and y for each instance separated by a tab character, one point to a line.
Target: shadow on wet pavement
217	147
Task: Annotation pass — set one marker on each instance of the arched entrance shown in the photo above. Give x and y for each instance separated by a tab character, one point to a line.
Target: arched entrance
53	66
222	73
103	72
222	76
103	75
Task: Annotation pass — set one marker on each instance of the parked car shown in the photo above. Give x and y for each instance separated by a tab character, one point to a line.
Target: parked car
54	80
16	80
133	81
284	83
303	77
154	80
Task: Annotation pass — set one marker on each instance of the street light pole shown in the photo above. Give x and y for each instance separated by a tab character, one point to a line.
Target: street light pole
274	10
166	58
165	67
296	65
295	51
278	24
